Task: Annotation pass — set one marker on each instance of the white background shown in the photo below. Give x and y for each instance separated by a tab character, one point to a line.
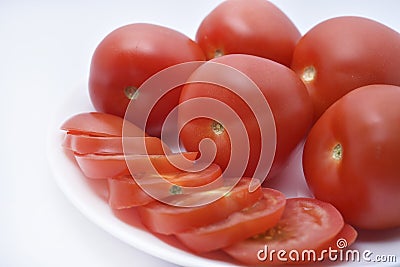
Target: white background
45	52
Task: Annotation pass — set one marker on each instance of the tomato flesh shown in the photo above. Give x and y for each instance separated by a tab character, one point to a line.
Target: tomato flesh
240	225
306	224
167	219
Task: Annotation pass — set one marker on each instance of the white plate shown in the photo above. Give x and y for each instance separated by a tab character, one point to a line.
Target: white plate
90	198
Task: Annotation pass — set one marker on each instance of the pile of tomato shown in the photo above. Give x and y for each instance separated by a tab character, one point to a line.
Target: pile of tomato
333	92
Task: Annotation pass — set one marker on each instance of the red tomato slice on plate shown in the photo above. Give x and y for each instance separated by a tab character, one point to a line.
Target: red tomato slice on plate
258	218
124	192
109	166
306	224
86	144
100	124
167	219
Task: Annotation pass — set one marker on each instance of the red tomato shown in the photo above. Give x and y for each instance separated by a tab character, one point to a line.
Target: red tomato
351	156
130	55
167	219
306	224
109	166
343	53
255	27
280	86
86	144
258	218
124	192
100	124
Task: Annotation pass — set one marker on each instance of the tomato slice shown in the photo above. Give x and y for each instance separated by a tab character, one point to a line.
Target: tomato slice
124	192
167	219
109	166
100	124
306	224
239	226
86	144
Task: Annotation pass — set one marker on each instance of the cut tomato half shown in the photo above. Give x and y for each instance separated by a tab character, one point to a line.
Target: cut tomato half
101	124
167	219
306	224
112	145
258	218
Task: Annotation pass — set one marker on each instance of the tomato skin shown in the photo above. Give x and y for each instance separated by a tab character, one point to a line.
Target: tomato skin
240	225
346	52
130	55
255	27
361	178
306	224
167	219
286	96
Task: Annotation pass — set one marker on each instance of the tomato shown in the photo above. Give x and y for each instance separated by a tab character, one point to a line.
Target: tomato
278	85
255	27
127	57
100	124
124	192
306	224
350	157
344	53
258	218
108	166
167	219
85	144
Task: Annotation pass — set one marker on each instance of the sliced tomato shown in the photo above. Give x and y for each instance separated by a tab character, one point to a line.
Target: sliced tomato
109	166
100	124
86	144
344	239
167	219
124	192
258	218
306	224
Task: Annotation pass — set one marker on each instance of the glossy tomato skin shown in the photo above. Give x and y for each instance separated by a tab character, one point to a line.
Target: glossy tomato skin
255	27
351	157
344	53
286	95
127	57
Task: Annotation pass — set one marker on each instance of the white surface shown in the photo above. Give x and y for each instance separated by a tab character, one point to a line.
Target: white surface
45	51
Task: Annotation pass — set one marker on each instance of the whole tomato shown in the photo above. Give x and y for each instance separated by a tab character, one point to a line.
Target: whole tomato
351	156
278	85
255	27
343	53
127	57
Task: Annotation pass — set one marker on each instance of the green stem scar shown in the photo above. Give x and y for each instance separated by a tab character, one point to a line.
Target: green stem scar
131	92
309	74
337	152
217	128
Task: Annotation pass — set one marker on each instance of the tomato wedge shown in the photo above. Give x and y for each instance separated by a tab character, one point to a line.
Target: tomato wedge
86	144
239	226
306	224
167	219
124	192
101	124
109	166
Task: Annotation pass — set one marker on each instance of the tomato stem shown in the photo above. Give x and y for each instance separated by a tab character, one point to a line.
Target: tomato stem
175	190
131	92
337	152
309	74
217	128
218	53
